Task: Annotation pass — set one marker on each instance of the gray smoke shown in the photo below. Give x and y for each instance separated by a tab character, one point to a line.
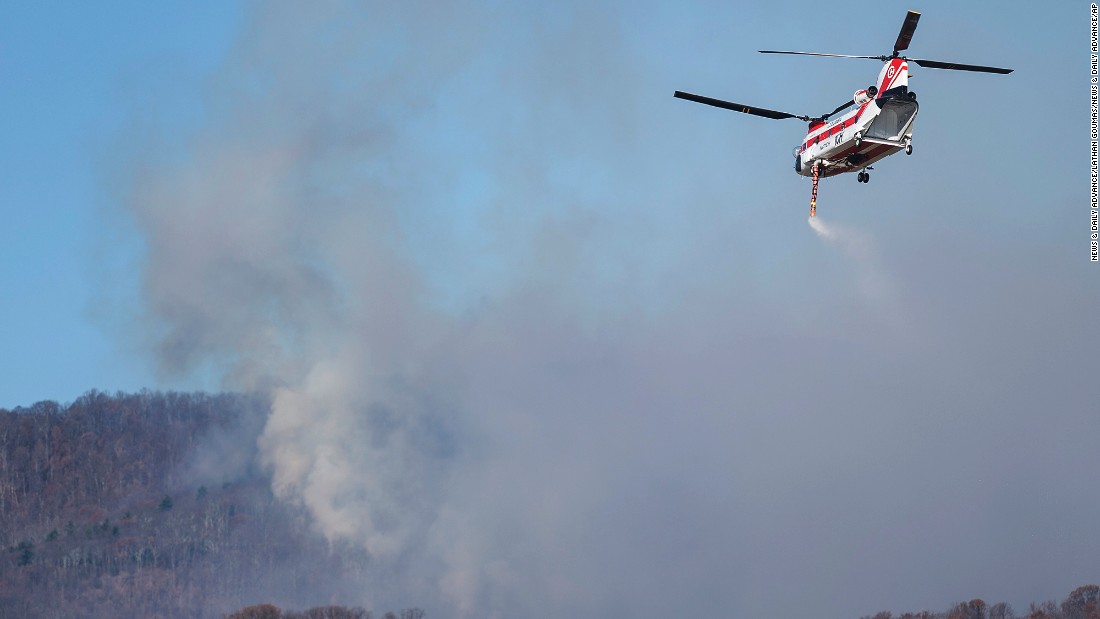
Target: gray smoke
537	366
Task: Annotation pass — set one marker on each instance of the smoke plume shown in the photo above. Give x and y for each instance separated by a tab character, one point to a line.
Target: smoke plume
536	365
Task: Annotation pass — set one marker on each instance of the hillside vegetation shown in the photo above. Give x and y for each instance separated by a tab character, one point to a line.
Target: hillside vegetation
151	505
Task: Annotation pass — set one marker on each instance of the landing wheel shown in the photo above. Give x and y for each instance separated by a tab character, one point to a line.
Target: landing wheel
908	149
863	177
859	139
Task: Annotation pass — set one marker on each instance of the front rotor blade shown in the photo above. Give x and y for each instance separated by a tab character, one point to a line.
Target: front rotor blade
936	64
907	28
772	51
738	107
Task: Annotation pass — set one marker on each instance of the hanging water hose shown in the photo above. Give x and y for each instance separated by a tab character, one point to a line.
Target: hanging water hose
813	194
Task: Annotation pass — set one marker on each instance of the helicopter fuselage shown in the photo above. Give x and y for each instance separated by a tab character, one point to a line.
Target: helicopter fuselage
880	126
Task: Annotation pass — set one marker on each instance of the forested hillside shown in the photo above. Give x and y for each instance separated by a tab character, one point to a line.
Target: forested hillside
150	505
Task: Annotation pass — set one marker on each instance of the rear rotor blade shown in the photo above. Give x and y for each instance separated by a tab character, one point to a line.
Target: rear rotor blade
907	28
738	107
936	64
772	51
847	104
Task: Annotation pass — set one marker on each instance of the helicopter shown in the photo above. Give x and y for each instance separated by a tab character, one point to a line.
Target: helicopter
880	125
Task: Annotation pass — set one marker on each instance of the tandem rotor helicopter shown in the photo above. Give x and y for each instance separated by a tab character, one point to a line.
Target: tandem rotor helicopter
881	124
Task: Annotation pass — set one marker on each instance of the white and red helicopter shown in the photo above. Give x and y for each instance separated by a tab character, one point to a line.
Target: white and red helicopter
881	124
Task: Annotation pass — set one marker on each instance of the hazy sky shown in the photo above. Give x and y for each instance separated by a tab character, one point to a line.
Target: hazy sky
544	339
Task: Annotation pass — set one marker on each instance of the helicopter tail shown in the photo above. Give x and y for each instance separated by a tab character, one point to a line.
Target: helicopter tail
894	76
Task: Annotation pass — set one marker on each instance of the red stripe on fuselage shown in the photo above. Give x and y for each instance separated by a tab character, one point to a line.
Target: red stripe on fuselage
816	133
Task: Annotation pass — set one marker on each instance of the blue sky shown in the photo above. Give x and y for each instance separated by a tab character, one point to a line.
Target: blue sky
654	371
77	74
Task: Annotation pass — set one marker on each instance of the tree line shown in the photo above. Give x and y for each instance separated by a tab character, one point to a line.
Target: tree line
270	611
1082	603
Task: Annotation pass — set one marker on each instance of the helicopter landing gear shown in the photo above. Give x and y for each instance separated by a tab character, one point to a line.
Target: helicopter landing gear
859	139
863	177
908	147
